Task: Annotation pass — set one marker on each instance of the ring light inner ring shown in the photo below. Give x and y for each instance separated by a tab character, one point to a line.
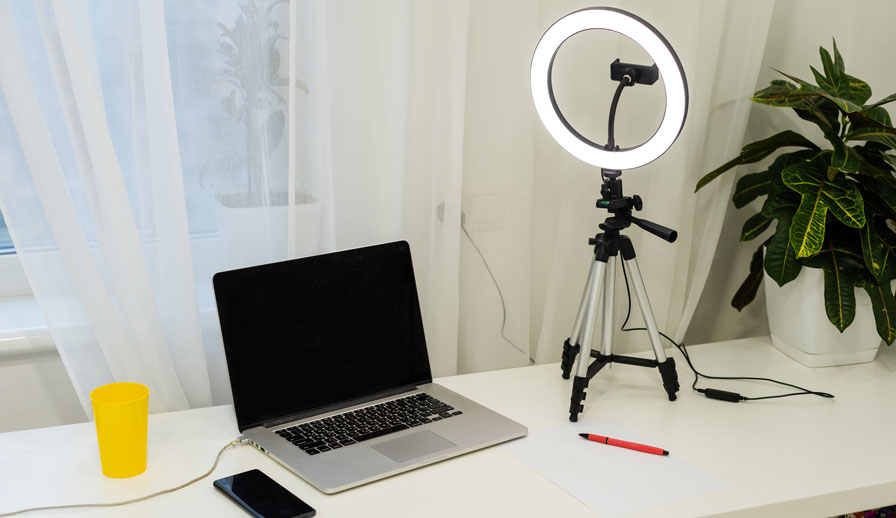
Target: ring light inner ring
659	50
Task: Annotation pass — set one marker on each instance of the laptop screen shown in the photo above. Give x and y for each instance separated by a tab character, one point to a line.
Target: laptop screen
314	332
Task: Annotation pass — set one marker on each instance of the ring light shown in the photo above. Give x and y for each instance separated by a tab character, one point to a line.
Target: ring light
610	244
653	43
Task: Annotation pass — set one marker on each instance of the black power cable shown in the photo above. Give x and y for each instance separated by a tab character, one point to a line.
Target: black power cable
500	295
710	392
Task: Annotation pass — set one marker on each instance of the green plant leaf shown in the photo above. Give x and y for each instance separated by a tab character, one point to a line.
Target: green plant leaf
788	201
817	109
758	150
888	238
839	289
877	240
874	190
888	99
839	65
886	136
843	241
807	229
841	195
819	195
883	305
807	89
780	197
838	83
875	164
874	251
831	72
844	158
859	91
755	225
871	117
839	297
821	112
748	289
888	159
751	186
780	262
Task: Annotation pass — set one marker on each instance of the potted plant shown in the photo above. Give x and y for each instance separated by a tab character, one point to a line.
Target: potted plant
252	200
832	207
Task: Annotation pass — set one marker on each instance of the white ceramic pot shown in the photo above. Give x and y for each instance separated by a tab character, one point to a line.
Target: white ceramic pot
800	327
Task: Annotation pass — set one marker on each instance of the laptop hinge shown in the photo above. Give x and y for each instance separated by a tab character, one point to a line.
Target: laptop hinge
337	406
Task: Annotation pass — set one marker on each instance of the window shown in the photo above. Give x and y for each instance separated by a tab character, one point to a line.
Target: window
12	278
5	240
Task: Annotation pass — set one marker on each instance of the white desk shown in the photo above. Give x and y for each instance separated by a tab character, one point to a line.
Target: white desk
801	456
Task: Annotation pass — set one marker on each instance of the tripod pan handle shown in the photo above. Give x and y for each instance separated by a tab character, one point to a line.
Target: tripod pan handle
656	229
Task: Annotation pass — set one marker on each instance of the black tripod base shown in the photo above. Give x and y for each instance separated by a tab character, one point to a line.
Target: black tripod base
579	383
568	358
576	407
670	378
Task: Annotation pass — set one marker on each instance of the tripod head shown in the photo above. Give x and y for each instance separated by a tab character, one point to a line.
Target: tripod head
620	207
611	191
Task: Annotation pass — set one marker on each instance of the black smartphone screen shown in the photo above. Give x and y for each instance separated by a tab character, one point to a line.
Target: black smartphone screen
262	497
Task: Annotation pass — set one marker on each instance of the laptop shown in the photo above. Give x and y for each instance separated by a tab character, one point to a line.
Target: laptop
330	374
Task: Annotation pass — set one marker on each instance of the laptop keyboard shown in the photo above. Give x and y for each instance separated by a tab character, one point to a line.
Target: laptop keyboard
367	423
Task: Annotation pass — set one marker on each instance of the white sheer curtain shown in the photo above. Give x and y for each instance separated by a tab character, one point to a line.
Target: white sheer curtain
93	195
145	146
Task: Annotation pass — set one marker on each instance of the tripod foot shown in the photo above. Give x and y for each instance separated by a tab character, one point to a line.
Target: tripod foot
568	358
579	385
670	377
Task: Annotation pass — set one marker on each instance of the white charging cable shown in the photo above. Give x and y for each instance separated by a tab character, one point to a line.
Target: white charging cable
231	444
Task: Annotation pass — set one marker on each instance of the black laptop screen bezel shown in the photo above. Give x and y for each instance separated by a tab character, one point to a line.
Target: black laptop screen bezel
226	285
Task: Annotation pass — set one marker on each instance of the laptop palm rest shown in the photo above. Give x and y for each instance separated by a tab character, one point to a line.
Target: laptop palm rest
413	446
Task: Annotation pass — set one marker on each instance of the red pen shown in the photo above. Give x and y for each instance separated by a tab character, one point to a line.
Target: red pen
624	444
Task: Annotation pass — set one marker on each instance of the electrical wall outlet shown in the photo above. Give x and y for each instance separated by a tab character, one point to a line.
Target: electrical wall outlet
487	210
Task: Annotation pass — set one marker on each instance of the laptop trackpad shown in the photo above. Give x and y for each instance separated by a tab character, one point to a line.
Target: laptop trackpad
412	446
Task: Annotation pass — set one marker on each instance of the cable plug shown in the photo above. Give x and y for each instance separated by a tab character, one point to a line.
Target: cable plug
722	395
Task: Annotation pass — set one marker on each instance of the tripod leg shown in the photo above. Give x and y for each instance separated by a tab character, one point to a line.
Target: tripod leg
606	342
572	344
580	383
666	365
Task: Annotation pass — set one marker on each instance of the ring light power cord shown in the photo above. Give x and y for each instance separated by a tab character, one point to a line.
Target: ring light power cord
712	393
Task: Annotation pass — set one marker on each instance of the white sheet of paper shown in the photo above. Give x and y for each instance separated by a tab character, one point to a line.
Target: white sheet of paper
610	480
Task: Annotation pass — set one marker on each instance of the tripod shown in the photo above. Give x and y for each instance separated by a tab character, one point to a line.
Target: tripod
607	246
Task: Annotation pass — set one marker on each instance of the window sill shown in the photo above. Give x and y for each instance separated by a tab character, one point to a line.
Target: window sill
22	327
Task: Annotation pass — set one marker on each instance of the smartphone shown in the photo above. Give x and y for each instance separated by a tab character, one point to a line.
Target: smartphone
261	497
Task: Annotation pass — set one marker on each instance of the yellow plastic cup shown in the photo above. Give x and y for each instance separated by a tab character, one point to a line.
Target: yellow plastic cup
121	412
